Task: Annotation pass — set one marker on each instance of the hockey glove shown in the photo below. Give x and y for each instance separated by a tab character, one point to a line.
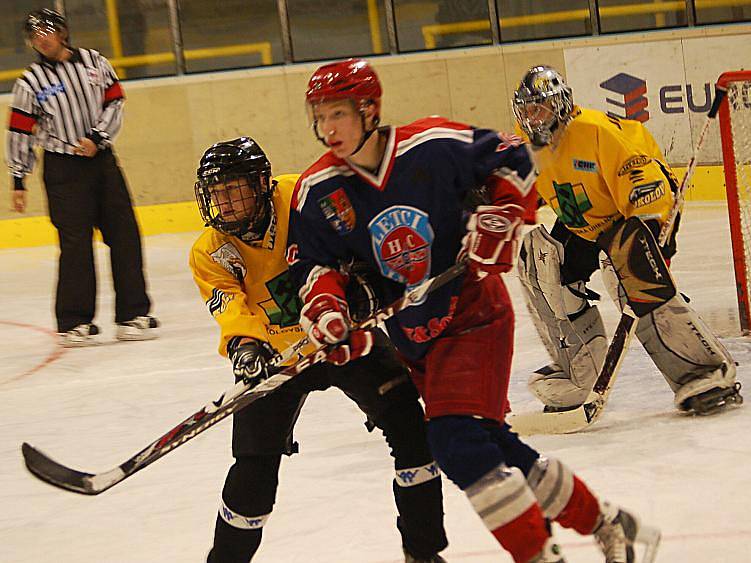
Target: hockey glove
250	360
326	320
490	242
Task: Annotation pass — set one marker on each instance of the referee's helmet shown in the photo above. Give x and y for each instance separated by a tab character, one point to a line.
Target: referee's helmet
42	22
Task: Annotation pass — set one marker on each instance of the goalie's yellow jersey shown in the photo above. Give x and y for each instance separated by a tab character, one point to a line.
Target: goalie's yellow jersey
604	168
247	288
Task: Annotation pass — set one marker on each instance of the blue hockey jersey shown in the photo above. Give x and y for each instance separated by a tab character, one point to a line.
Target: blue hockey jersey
407	220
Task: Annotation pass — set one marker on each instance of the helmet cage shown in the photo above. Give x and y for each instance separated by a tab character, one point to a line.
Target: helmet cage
236	203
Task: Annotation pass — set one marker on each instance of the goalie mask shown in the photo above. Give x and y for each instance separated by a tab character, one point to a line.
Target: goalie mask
43	22
543	102
234	189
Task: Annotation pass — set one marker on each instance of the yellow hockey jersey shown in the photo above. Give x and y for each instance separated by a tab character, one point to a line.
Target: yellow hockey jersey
604	168
247	288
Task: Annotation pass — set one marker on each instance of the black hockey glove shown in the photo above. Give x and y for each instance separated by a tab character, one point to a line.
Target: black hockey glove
250	360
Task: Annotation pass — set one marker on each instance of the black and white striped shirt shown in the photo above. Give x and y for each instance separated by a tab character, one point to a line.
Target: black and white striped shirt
56	103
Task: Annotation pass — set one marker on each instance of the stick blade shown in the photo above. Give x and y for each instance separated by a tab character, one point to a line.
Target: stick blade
565	422
54	473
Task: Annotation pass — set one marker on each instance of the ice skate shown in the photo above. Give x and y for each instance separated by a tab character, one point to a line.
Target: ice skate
619	533
83	335
139	328
409	558
551	553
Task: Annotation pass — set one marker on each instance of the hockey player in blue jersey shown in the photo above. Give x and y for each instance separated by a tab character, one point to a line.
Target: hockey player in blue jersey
404	200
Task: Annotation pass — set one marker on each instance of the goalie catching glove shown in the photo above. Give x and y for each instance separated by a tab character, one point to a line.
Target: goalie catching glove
326	320
490	242
250	359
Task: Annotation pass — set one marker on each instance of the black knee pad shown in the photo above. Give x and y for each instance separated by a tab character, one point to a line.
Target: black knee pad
403	425
251	483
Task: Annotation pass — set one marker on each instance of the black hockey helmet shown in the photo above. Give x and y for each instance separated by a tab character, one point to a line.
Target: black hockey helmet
45	21
234	188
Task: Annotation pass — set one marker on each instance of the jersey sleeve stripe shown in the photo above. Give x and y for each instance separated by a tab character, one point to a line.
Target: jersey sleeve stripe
21	122
114	92
466	136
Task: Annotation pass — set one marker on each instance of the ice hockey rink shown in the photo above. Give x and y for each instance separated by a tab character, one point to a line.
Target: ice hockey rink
91	408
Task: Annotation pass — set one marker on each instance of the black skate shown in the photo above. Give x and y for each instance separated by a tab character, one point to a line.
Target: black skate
714	400
409	558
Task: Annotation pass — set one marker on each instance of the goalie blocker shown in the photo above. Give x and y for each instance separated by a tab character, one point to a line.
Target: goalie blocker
696	366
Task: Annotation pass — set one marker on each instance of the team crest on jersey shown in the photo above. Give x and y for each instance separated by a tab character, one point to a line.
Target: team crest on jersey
229	258
52	90
338	211
217	303
402	236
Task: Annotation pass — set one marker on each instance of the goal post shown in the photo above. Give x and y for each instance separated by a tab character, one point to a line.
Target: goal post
735	133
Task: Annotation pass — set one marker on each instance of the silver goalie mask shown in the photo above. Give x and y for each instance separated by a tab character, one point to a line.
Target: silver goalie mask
542	103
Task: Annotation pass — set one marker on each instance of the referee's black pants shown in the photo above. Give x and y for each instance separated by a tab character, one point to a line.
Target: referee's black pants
84	193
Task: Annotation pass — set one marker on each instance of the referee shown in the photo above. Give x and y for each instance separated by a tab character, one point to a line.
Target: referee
70	103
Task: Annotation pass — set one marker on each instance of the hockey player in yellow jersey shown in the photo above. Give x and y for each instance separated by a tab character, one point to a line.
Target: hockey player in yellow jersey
612	190
240	267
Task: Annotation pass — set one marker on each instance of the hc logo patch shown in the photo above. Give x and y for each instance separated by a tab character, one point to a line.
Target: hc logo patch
338	211
401	236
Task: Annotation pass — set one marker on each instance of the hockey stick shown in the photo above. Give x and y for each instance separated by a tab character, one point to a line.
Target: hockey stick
680	195
583	416
210	414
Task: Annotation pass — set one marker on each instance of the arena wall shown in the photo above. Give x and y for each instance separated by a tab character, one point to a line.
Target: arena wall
170	121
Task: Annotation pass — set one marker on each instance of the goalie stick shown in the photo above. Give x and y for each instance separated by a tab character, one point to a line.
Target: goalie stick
231	401
583	416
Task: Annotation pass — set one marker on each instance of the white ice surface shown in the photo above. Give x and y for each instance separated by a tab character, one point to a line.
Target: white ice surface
92	408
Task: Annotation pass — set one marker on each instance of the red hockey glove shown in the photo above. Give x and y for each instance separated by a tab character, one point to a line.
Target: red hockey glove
490	242
326	320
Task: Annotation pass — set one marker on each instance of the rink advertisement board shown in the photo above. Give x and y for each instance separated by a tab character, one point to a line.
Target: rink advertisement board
667	85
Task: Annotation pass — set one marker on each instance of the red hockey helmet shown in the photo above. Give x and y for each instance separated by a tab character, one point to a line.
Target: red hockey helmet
351	79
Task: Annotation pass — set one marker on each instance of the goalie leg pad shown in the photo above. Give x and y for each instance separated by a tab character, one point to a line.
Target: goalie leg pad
684	349
580	358
639	264
576	346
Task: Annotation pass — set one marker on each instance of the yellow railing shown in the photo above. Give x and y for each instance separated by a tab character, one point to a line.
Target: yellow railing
263	49
431	32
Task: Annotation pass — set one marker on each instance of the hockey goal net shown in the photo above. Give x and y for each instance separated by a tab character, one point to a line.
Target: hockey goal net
735	131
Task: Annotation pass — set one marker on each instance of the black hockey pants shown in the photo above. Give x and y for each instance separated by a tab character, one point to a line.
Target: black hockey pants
84	193
381	387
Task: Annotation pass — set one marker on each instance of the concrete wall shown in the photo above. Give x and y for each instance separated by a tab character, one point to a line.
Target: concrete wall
169	122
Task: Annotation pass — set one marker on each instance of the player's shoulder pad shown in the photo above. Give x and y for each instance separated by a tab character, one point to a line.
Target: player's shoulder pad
208	241
326	167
